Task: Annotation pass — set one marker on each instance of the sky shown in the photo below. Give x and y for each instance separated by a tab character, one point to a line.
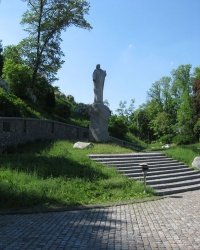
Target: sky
137	42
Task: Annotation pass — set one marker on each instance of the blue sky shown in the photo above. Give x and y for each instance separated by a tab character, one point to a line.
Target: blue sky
136	41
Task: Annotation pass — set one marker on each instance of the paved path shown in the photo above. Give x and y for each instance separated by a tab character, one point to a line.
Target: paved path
169	223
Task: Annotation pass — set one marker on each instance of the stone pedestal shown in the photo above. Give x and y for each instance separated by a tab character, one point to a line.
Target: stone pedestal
99	116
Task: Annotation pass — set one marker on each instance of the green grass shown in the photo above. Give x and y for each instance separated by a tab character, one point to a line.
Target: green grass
185	153
55	174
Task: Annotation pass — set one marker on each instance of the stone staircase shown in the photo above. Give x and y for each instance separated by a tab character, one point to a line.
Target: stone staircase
165	175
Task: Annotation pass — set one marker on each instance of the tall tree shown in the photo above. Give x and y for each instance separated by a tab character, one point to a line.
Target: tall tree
196	92
182	94
1	57
181	82
13	53
160	107
196	102
45	20
124	111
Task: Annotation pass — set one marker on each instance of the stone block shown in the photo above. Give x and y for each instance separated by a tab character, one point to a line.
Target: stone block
82	145
196	162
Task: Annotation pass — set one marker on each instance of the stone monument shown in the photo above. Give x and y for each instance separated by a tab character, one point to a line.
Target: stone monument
99	113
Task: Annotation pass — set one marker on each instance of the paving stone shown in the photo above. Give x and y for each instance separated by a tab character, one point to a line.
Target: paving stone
169	223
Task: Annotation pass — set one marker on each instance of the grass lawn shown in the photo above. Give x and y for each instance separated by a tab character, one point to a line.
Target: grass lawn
55	174
184	153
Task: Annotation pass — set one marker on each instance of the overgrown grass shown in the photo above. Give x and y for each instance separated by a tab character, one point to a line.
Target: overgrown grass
55	174
185	153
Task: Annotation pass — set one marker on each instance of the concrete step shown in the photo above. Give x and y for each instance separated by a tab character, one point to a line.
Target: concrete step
169	179
138	169
161	174
165	175
176	190
136	162
139	155
178	168
177	184
151	165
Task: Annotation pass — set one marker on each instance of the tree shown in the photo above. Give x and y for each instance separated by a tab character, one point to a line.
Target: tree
121	110
117	127
13	53
182	94
18	76
160	93
124	111
44	21
1	57
196	101
196	92
181	82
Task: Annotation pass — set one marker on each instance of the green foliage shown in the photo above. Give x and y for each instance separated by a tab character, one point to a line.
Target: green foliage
185	153
13	53
18	77
197	129
183	139
167	138
141	118
171	107
160	94
124	111
50	99
82	109
196	94
31	177
78	120
161	124
63	109
45	21
1	58
117	126
11	106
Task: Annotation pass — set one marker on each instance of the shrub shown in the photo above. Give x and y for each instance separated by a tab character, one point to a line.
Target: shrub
82	109
7	107
18	76
63	109
183	139
50	99
166	139
117	127
11	106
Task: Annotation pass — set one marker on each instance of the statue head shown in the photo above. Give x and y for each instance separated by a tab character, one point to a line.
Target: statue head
98	66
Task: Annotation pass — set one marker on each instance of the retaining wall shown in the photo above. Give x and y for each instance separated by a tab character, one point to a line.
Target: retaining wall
15	130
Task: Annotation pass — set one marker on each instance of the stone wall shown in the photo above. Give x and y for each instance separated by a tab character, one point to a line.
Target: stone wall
14	131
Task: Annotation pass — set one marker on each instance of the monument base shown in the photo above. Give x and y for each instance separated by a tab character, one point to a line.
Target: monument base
98	128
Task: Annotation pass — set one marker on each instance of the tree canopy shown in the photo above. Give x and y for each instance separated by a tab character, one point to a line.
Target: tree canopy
1	57
44	21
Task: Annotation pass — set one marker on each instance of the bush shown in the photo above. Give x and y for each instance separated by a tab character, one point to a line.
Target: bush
117	127
183	139
19	78
82	109
7	107
63	109
50	99
11	106
166	139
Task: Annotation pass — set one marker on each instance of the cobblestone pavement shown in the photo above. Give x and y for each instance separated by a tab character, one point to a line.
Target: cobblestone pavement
169	223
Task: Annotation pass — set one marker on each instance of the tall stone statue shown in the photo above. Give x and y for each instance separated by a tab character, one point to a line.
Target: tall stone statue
98	79
99	113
